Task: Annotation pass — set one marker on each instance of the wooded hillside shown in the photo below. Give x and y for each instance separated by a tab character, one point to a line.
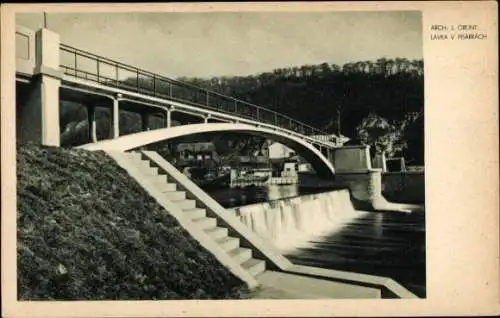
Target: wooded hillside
317	94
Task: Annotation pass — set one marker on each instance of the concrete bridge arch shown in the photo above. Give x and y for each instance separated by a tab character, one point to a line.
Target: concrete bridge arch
308	151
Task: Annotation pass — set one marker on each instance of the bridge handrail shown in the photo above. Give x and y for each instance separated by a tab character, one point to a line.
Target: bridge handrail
258	110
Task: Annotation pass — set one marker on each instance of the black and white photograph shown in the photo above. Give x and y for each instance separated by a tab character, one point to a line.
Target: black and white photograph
220	155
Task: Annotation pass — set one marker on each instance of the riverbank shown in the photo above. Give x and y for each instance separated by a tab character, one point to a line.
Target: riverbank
87	231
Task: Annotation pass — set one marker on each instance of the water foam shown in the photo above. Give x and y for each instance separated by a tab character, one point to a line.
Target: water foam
294	223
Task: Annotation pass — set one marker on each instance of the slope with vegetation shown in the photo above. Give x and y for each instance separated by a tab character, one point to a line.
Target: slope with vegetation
87	231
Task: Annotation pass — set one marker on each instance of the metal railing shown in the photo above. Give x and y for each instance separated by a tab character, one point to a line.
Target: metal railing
89	66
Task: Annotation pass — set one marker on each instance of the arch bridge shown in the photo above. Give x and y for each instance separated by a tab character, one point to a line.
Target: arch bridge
48	72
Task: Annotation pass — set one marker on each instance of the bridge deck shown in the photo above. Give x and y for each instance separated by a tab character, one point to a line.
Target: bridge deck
79	68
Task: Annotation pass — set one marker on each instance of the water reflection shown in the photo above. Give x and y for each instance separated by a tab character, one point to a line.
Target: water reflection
275	192
385	244
230	198
378	225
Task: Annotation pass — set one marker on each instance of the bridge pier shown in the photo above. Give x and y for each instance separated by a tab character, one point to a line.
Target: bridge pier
353	169
115	115
169	118
40	114
91	118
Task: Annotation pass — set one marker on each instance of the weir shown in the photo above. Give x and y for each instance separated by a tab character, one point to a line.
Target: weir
296	222
325	231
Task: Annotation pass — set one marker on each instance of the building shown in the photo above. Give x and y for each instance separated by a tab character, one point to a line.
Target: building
280	151
195	153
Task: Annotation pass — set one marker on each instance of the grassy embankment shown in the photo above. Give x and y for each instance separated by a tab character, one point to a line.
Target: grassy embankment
86	230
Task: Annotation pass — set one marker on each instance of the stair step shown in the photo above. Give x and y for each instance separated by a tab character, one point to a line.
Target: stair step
165	186
133	155
254	266
176	195
205	223
185	204
149	171
217	233
161	178
241	254
229	243
143	163
195	213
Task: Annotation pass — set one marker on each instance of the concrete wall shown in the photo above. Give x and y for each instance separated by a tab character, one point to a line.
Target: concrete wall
352	159
407	187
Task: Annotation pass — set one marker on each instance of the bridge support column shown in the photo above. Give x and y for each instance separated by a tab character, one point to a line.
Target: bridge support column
353	169
352	159
365	187
40	114
92	123
115	123
169	118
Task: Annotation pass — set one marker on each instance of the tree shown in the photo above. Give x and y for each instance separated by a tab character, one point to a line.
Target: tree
381	135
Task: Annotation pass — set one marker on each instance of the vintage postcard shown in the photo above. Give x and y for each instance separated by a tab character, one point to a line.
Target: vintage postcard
250	159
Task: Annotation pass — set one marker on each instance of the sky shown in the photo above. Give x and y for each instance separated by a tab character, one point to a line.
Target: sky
236	43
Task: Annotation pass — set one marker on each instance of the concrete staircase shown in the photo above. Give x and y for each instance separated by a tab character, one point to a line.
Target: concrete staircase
255	261
194	212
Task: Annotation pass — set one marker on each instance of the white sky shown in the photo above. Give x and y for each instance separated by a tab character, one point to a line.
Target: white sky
216	44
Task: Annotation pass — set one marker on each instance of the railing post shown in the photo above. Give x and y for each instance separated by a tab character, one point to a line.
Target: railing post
170	89
276	118
206	98
235	106
154	84
76	65
116	74
97	61
257	113
137	73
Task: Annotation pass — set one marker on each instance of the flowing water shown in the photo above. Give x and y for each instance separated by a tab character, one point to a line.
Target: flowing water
296	222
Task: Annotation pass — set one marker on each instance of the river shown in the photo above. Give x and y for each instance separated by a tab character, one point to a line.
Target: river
378	243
